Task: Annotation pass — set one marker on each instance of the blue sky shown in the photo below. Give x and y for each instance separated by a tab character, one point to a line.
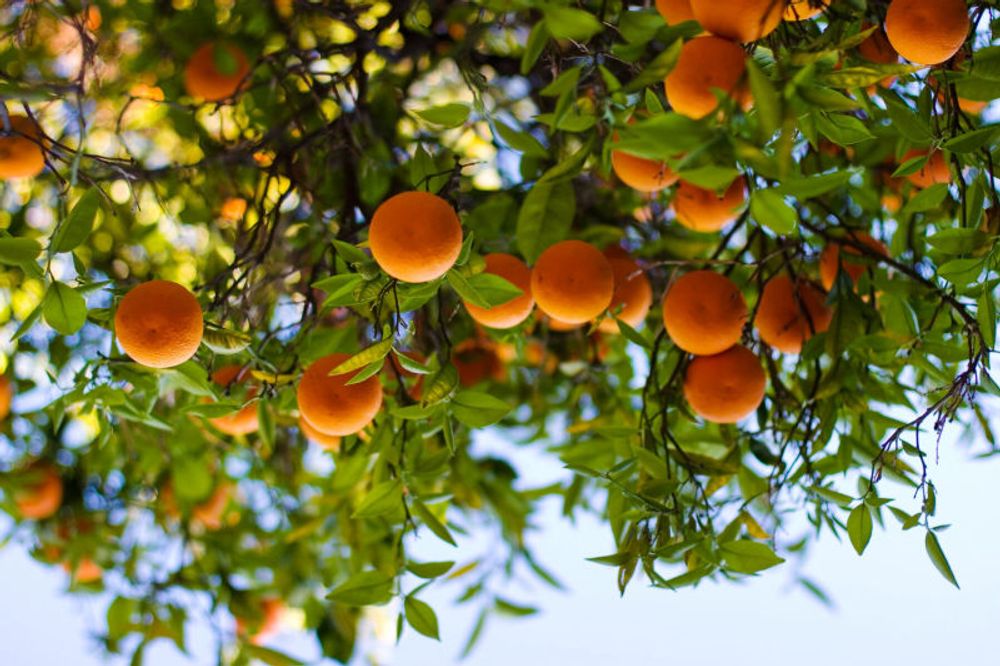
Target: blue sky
891	605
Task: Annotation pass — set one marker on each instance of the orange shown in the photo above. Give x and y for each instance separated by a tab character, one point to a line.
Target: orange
704	313
739	20
788	314
514	311
477	361
935	170
706	63
876	47
333	407
853	262
265	624
6	395
203	78
640	173
20	155
328	442
927	32
233	209
210	513
159	324
801	10
633	294
704	210
560	326
573	282
675	11
41	494
726	387
85	571
244	421
415	236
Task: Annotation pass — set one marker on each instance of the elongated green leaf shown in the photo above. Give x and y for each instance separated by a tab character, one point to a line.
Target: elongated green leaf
383	498
421	617
770	209
545	218
431	522
368	588
859	527
366	356
15	251
748	557
64	309
78	224
938	558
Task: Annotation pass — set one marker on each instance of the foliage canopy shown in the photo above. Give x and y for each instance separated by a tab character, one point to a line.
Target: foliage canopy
517	113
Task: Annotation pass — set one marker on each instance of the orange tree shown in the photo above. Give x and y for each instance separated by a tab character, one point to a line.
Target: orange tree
268	267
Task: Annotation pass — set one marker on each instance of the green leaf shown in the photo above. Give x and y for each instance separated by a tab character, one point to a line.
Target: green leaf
938	558
78	224
571	23
859	527
842	129
521	141
269	656
368	371
339	289
961	271
64	309
225	341
507	607
429	569
16	251
986	313
748	557
478	410
831	495
958	240
813	186
428	518
658	67
410	364
545	217
421	617
537	39
972	141
368	588
766	100
366	356
446	115
909	124
769	208
710	177
383	498
349	253
663	136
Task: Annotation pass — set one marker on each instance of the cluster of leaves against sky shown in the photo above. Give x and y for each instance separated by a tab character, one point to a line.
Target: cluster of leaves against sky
508	109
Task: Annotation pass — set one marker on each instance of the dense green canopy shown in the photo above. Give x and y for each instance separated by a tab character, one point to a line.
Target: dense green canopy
260	202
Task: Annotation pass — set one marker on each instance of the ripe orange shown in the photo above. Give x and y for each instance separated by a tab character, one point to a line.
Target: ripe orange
477	361
233	209
927	32
726	387
640	173
159	324
801	10
706	63
20	156
675	11
935	170
852	261
789	314
6	396
633	294
265	624
560	326
84	571
704	313
210	514
739	20
573	282
514	311
333	407
41	494
328	442
244	421
415	236
203	78
704	210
